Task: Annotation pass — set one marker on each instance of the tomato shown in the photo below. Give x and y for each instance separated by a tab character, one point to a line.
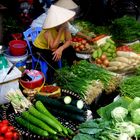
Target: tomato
84	42
2	138
79	39
15	136
74	39
4	129
11	128
5	122
81	47
8	135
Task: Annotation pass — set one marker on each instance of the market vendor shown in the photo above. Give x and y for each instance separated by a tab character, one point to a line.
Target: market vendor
54	41
71	5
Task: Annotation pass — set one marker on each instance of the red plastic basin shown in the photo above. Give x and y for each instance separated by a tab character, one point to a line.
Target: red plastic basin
17	47
32	84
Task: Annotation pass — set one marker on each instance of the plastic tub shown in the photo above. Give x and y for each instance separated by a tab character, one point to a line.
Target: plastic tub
17	47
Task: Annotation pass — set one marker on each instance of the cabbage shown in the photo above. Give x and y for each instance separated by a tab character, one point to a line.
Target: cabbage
124	136
119	113
135	104
135	115
126	127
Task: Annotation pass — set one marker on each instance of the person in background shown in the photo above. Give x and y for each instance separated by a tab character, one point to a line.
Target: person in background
71	5
54	41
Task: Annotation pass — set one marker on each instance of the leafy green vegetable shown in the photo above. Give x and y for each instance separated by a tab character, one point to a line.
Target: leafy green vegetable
135	115
105	112
126	29
130	87
135	104
119	113
135	47
83	137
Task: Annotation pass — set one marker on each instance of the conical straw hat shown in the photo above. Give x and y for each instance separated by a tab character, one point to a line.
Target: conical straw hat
68	4
56	16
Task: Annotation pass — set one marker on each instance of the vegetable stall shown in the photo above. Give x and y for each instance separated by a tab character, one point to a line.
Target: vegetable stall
98	97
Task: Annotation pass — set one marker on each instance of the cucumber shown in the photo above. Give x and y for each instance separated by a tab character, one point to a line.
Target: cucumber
67	100
44	118
31	127
69	116
57	104
39	105
27	116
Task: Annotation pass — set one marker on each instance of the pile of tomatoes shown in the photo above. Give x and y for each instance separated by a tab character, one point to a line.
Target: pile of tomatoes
7	132
124	48
80	44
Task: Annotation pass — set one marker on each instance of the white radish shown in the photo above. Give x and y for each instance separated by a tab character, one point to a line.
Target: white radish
127	54
112	68
123	59
115	63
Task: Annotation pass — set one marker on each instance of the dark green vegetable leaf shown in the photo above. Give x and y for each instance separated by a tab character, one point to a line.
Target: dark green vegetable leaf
83	137
90	131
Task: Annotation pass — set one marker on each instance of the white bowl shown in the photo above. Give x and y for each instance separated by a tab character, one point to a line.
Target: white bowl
15	59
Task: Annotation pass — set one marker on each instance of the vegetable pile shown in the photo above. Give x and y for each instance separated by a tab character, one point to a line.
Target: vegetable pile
119	121
126	61
68	110
7	132
130	87
40	121
104	52
87	80
81	45
125	29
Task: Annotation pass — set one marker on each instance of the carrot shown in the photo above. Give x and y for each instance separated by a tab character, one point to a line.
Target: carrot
98	37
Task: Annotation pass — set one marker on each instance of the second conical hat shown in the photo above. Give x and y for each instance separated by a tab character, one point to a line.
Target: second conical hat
56	16
68	4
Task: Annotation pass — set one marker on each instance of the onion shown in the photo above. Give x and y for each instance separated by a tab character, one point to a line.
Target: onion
103	57
98	61
106	62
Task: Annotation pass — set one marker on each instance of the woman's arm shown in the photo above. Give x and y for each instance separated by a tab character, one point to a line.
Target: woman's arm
58	53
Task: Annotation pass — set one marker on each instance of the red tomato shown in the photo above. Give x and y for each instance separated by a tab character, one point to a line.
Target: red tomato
11	128
5	122
15	136
84	42
1	138
79	39
4	129
8	135
74	39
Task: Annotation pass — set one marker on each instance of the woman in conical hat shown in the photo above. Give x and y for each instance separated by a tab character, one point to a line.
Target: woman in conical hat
71	5
54	40
68	4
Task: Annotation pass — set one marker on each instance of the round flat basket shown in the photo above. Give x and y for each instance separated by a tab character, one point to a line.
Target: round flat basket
10	115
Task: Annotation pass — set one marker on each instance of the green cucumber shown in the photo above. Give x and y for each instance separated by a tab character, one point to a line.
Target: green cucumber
39	105
44	118
29	117
60	106
99	52
105	47
31	127
110	41
69	116
95	54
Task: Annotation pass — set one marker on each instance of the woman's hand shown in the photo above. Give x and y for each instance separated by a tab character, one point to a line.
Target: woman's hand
57	54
